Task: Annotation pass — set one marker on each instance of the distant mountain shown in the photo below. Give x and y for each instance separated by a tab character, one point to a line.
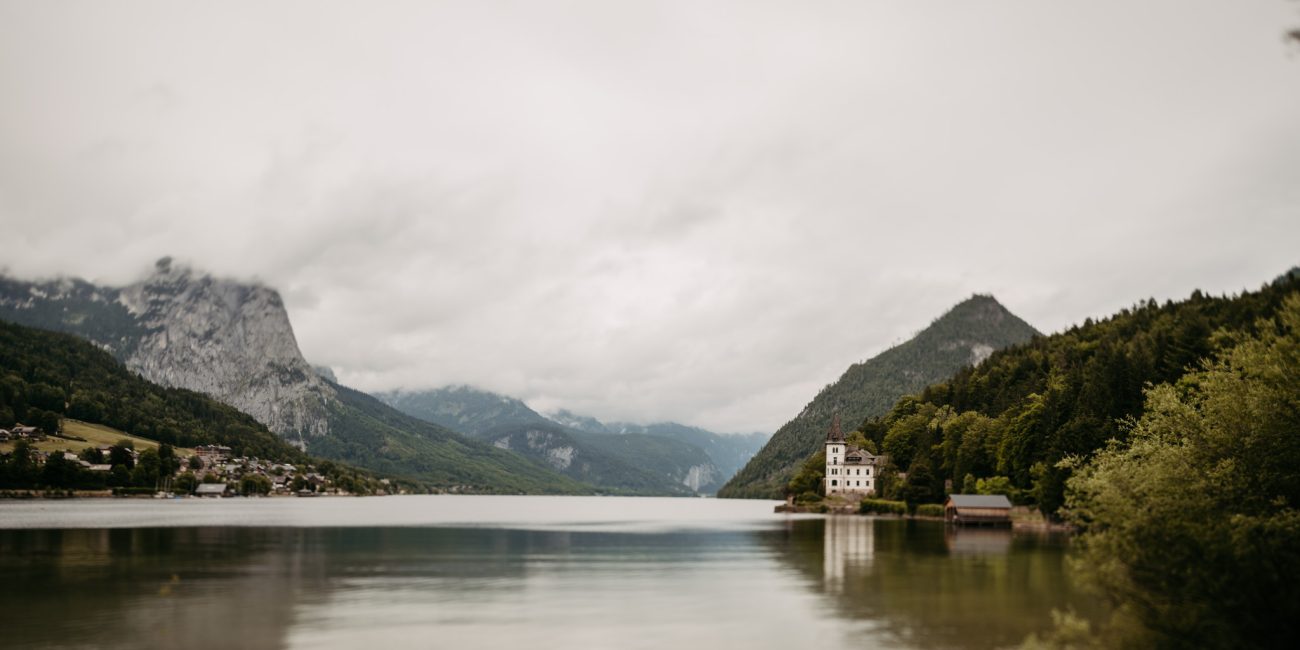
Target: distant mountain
462	408
234	342
373	434
577	422
729	452
611	457
964	336
648	466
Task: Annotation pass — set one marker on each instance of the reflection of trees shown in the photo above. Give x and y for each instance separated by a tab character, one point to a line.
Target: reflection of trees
224	587
984	589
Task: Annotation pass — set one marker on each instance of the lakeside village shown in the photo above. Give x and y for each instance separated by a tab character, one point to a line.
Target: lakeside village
847	478
120	469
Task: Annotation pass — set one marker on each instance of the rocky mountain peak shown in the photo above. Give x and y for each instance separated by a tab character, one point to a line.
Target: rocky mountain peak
187	329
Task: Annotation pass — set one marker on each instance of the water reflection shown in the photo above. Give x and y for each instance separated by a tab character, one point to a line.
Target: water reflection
924	586
846	542
977	541
827	582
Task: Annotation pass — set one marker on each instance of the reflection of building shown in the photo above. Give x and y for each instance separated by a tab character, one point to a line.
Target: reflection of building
977	541
848	468
847	542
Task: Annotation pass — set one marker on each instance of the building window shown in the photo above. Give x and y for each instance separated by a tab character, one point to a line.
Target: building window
834	483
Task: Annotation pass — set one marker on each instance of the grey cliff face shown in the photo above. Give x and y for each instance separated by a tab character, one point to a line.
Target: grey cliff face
229	340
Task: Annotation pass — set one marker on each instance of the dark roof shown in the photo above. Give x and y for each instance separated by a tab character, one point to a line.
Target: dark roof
979	500
835	434
855	454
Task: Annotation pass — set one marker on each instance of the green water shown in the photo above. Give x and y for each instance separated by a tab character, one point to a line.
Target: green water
498	572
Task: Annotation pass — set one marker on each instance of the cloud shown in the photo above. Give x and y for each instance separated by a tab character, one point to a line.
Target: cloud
644	211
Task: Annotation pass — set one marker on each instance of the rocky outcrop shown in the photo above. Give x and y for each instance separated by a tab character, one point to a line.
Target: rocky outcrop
227	339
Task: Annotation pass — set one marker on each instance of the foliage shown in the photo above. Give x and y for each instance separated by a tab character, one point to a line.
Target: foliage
919	486
882	507
1191	528
93	387
254	484
1026	408
807	485
995	485
870	388
930	510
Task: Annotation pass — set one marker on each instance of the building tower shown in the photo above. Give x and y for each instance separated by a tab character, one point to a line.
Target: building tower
835	450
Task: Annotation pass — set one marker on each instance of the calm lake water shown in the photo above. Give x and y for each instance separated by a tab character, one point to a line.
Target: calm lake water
510	572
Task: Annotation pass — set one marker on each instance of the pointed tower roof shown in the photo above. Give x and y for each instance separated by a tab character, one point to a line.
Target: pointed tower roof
835	434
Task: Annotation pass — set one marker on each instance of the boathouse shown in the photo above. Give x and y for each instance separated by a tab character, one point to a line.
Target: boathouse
977	510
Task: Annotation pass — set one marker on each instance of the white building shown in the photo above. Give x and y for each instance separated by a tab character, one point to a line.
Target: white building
849	470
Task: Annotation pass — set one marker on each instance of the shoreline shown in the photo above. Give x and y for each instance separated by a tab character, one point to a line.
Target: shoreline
1026	523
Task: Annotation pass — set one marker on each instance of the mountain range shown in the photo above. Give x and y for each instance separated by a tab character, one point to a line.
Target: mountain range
665	458
233	341
964	336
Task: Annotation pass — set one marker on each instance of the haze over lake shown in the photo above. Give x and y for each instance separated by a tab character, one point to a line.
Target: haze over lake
500	571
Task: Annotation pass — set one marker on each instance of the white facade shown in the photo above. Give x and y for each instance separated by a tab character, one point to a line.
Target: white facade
849	470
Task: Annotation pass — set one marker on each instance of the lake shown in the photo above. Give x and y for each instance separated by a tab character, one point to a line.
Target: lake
507	571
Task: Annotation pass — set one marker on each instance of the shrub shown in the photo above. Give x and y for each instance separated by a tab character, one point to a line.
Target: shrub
882	507
930	510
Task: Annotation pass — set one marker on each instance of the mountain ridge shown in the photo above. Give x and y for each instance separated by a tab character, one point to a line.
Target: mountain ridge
966	334
233	341
696	458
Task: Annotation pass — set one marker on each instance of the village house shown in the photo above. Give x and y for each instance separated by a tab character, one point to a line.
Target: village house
849	469
32	433
211	490
212	454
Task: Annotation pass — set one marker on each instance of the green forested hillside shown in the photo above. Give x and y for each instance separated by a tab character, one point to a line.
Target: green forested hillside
46	375
371	434
1190	528
1026	408
964	335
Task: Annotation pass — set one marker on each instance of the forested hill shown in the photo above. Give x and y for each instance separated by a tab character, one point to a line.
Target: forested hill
46	375
965	335
372	434
1025	408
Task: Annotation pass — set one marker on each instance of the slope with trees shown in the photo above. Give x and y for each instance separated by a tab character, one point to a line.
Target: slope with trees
961	337
1013	418
1191	527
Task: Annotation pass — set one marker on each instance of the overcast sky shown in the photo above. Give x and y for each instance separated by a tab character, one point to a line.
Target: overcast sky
699	211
